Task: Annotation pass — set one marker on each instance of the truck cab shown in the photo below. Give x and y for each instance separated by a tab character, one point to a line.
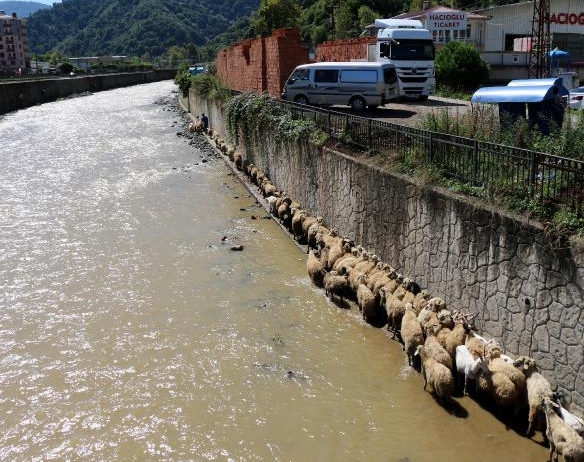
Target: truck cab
410	48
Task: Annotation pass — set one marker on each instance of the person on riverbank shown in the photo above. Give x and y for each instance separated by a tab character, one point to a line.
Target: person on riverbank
205	121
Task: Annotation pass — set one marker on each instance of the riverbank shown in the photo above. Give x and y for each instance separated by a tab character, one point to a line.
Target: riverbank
20	95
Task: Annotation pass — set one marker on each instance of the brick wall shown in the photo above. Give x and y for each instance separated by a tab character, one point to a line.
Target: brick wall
344	50
262	65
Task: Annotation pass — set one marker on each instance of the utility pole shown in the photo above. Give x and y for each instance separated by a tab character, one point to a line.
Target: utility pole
539	55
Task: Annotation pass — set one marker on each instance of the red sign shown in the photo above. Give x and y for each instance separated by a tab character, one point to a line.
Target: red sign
567	18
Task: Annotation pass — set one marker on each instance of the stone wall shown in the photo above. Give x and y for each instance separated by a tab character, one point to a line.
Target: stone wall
262	65
527	288
23	94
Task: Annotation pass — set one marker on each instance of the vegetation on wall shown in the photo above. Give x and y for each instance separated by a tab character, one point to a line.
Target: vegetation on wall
251	115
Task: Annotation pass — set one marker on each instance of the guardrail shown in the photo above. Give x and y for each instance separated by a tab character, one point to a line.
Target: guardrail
549	179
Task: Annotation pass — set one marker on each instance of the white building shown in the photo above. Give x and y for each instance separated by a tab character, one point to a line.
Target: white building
506	26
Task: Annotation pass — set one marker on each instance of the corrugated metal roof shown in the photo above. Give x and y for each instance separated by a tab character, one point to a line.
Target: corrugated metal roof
521	91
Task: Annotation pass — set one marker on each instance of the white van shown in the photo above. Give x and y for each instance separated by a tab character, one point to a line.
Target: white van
355	84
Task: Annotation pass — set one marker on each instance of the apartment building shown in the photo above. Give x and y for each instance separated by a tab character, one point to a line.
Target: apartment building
13	44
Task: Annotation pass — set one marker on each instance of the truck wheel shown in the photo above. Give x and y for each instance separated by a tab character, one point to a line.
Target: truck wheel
358	104
301	99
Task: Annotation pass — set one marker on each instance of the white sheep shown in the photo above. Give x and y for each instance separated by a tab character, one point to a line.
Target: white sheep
437	375
562	438
538	388
272	204
572	420
411	333
468	365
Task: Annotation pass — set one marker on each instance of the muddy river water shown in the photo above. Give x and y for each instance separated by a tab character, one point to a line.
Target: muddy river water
130	331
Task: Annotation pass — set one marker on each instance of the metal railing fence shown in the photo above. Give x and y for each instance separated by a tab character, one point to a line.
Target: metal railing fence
542	177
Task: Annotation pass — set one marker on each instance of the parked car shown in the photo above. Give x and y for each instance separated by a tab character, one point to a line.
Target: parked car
575	98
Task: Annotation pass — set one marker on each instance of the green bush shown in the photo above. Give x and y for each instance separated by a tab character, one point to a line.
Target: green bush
459	66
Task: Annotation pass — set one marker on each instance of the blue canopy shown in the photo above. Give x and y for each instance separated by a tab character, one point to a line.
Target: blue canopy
556	55
521	91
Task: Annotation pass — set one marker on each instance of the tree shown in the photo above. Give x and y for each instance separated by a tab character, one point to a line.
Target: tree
366	16
459	66
275	14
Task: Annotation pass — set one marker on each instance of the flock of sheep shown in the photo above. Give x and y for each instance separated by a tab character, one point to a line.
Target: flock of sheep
441	342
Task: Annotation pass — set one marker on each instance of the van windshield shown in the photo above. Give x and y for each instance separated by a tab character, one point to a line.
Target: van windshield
407	50
298	74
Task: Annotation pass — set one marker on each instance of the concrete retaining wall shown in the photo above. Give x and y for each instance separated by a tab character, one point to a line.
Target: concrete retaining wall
20	95
528	288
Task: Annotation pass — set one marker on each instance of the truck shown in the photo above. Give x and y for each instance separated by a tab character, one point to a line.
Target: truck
410	48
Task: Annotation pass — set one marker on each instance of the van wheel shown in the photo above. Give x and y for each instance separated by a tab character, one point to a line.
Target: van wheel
358	104
301	99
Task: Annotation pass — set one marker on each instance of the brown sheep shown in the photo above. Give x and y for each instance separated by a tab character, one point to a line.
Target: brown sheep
315	269
411	333
437	375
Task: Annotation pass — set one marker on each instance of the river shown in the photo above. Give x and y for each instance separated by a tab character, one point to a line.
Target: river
130	331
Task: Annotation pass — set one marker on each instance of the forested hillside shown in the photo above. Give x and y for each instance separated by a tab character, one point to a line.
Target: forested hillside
22	9
131	27
152	27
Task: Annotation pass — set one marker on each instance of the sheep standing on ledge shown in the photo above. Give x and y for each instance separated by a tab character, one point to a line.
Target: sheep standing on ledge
562	439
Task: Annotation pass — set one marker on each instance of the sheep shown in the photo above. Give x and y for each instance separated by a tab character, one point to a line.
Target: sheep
380	271
368	303
499	387
434	305
395	281
238	160
562	439
452	338
348	261
411	333
468	365
395	309
437	375
336	285
315	229
337	251
284	210
475	345
364	267
367	264
572	420
437	351
385	280
421	300
315	269
272	204
297	220
538	388
268	188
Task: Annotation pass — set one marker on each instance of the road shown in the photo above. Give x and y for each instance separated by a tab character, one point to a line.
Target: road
411	112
